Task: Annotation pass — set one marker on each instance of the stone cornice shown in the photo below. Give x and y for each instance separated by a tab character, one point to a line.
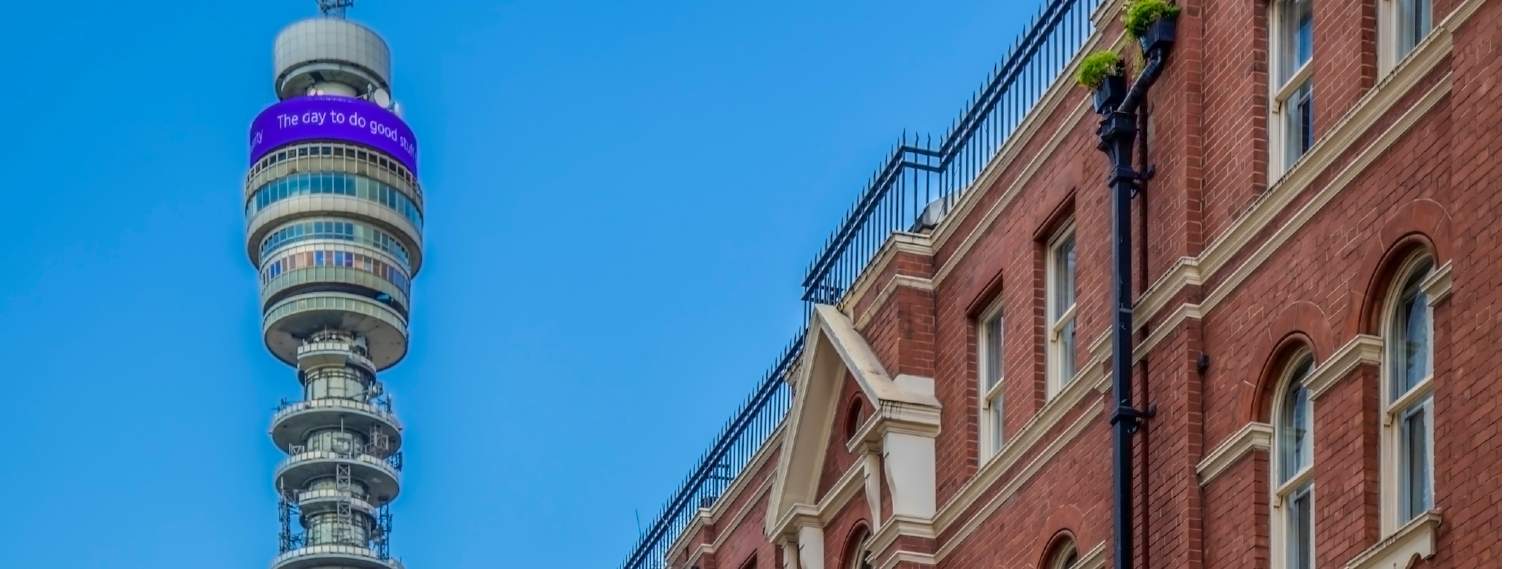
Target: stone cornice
887	292
1095	559
1183	273
1437	285
1046	107
898	242
896	417
1251	437
1415	539
947	516
706	516
821	513
1089	381
1360	350
896	527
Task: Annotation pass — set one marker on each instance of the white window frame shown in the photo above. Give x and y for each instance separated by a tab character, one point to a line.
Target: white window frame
860	552
1281	492
1283	88
1419	396
1067	556
1389	39
1057	380
991	393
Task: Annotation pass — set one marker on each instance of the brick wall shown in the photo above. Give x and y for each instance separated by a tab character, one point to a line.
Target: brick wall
1428	177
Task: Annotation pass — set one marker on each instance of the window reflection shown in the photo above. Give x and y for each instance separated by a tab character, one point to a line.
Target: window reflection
334	229
335	183
334	258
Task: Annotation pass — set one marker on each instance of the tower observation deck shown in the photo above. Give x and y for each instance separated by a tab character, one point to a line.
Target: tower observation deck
334	216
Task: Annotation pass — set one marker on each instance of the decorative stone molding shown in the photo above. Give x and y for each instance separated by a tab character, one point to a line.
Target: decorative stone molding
895	528
901	556
1045	109
1253	436
898	242
1361	350
811	548
706	516
1414	540
1437	285
1038	428
1003	493
887	292
1095	559
901	430
1183	273
1105	12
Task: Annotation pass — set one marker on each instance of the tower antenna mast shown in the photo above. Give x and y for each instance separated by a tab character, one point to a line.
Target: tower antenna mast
335	8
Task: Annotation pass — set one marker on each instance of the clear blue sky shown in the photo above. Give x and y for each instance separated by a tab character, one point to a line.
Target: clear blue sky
622	198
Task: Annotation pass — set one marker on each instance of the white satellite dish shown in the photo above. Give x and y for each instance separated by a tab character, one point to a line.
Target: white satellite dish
381	97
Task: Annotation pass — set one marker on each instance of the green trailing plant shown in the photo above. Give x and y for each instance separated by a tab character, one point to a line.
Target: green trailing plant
1096	66
1141	14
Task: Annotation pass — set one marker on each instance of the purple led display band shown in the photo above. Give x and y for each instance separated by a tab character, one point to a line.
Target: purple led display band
332	118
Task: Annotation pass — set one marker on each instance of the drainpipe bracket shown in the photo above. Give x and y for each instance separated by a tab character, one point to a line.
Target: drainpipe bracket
1131	417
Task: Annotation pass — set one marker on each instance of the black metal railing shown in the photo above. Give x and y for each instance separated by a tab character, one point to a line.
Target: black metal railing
728	454
924	175
921	180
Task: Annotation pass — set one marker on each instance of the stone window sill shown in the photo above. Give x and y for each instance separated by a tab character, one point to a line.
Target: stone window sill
1414	539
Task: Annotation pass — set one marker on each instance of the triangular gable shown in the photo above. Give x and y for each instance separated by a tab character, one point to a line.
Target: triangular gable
833	350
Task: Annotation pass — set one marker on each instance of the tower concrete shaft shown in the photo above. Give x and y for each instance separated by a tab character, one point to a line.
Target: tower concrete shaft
334	217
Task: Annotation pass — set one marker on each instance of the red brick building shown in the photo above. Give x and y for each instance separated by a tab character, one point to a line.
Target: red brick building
1318	288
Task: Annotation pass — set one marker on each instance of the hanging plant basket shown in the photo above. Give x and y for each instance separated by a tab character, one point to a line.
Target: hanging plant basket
1102	73
1160	35
1152	23
1109	93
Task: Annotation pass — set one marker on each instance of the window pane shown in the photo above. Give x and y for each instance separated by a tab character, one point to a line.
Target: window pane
1295	37
1066	353
1299	529
1299	135
1411	344
997	423
1063	277
1414	19
993	330
1293	431
1416	494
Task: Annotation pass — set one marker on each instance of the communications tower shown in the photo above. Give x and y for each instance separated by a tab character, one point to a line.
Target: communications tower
334	217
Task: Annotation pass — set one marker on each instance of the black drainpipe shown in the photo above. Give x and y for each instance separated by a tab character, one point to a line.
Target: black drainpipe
1119	129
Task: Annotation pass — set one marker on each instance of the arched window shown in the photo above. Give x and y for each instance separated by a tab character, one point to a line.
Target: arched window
1291	524
858	557
854	417
1409	395
1065	556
